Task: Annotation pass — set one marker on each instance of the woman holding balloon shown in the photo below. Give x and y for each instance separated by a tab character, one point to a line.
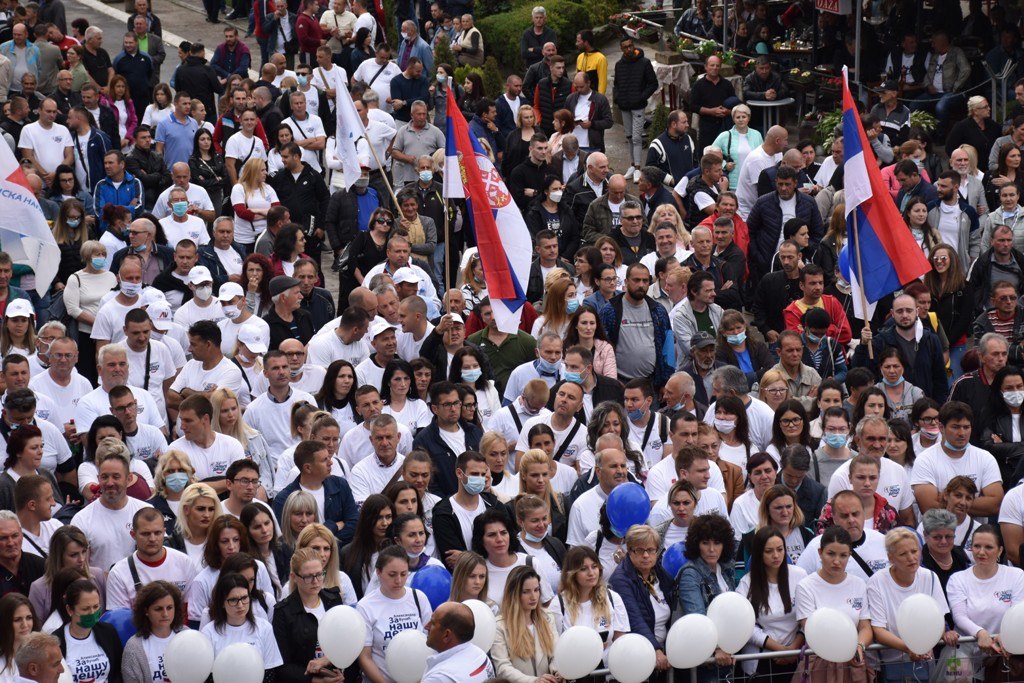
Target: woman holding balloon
887	590
585	600
770	585
525	635
981	595
646	590
158	614
297	621
831	586
91	648
389	611
232	620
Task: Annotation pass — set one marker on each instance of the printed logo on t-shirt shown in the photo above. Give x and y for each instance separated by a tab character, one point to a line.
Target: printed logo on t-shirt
878	565
209	386
144	452
91	667
219	468
160	675
855	603
43	414
154	367
1004	596
892	491
397	623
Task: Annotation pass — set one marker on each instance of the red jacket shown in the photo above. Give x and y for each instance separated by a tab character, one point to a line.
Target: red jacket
309	33
838	330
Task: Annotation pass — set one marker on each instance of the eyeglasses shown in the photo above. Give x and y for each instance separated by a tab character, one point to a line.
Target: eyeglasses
310	579
450	404
383	221
606	279
294	354
942	259
469	406
1008	297
125	408
928	420
247	482
790	421
632	218
777	392
644	551
235	602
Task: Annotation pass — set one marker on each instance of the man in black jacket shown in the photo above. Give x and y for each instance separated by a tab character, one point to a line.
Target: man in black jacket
598	116
198	78
538	71
103	114
546	259
447	409
577	197
472	473
287	320
527	179
1000	258
531	44
305	195
777	290
579	363
147	165
551	95
635	82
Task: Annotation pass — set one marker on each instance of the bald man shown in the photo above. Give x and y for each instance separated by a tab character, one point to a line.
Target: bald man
768	154
458	660
603	213
199	203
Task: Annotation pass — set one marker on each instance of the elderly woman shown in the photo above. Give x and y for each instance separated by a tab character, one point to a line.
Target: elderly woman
646	590
887	590
773	389
174	472
941	554
707	574
977	130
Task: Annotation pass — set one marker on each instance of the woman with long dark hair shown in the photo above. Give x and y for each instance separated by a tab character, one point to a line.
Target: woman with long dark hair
790	427
359	556
733	429
494	539
69	549
91	648
900	395
70	231
585	329
469	367
762	472
1003	419
265	542
337	395
915	215
207	168
366	250
257	271
401	398
24	458
952	301
289	247
872	401
20	618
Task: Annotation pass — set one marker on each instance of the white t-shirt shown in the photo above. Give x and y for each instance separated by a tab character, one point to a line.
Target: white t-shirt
273	419
47	145
544	564
585	515
497	577
849	597
161	367
201	589
192	228
760	417
385	618
312	127
176	568
371	476
777	624
108	530
191	312
983	602
86	660
368	69
42	541
223	375
64	398
260	636
230	259
263	198
892	483
97	402
872	551
242	148
885	597
711	502
949	224
229	332
414	414
572	449
154	648
89	475
744	516
109	322
654	449
934	467
147	443
194	193
605	626
504	423
466	518
212	461
324	349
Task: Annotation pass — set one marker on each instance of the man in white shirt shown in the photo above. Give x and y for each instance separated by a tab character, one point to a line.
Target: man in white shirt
202	305
236	316
112	366
547	367
144	441
356	444
378	72
453	516
373	475
730	381
46	144
458	660
768	154
872	439
209	452
150	364
223	246
585	515
954	455
868	545
180	225
570	433
385	345
683	431
270	412
647	428
404	272
109	324
61	382
20	410
243	145
308	131
346	342
532	402
243	482
151	561
692	465
34	501
108	519
198	198
17	375
326	75
412	316
208	370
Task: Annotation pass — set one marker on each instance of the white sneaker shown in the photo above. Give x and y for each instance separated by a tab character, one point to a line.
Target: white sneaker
631	172
636	176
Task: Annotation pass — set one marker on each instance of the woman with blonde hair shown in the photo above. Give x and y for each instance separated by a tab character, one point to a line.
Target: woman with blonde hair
535	472
584	598
977	129
773	389
300	510
666	213
474	288
199	507
524	641
560	303
737	142
517	144
174	473
319	539
252	198
300	424
228	420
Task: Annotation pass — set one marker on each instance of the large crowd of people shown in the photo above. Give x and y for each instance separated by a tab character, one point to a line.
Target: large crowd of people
254	392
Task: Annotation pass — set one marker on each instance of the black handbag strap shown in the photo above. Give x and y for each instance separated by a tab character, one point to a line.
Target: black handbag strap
567	441
34	545
135	571
149	353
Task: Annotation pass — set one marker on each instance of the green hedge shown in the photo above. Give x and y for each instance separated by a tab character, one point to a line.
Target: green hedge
503	31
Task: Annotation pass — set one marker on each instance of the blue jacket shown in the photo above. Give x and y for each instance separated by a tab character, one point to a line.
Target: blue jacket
697	585
765	226
478	128
627	583
419	49
664	343
923	189
31	55
208	257
444	483
131	189
97	145
339	506
225	62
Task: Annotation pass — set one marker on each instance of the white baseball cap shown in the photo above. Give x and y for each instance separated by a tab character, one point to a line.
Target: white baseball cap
254	337
160	314
20	308
199	275
378	326
151	295
405	274
229	290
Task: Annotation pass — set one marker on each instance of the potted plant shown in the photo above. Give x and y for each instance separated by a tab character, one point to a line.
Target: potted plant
728	64
706	48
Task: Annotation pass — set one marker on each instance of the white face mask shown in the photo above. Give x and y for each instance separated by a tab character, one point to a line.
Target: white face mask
1014	399
204	293
231	312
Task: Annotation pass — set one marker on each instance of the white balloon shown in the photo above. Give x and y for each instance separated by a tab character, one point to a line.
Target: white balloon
238	663
341	634
631	659
65	675
1011	631
188	658
483	635
406	657
733	615
691	641
920	623
578	652
831	635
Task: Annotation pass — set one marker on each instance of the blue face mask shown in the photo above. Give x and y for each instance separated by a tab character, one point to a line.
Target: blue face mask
813	338
302	81
677	407
736	339
548	368
475	485
176	481
471	376
950	447
179	208
74	222
574	377
889	383
441	78
835	440
534	539
426	176
635	415
99	263
139	249
571	306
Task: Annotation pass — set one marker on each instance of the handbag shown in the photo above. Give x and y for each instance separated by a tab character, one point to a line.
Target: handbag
953	665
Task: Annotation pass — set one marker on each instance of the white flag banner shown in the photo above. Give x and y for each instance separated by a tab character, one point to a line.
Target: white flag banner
24	232
350	129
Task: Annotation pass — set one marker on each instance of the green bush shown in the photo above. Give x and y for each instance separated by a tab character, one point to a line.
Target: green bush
443	54
598	11
503	31
659	122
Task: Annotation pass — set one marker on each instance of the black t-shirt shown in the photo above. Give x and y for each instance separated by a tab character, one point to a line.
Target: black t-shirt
97	65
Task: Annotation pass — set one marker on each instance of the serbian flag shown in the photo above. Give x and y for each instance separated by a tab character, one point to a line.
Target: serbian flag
505	255
24	232
889	256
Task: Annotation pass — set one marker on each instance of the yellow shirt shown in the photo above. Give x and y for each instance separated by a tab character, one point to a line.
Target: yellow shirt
594	61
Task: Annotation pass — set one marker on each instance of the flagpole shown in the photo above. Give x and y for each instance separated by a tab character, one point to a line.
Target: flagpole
447	241
380	167
860	281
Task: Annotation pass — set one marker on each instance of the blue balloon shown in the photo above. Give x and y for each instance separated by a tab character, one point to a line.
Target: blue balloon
435	582
628	504
121	620
673	559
